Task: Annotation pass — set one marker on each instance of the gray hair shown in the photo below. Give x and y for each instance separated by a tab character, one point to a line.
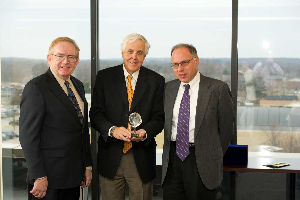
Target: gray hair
190	47
133	37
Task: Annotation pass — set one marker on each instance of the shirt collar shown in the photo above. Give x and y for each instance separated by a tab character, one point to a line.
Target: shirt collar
193	83
60	80
135	75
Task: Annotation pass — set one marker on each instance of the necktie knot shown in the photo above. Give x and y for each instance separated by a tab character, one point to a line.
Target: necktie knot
67	84
129	77
187	87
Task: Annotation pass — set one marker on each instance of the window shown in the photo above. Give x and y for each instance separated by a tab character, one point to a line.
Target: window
27	29
206	25
269	76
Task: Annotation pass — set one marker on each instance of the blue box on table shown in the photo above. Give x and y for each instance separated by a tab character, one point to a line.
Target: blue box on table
236	155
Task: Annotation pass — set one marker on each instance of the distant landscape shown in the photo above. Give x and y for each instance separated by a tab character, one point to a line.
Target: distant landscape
16	72
20	70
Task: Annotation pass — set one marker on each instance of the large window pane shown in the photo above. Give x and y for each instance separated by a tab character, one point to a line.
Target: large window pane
205	24
269	76
27	29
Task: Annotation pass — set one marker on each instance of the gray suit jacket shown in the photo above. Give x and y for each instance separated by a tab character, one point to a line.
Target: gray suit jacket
213	130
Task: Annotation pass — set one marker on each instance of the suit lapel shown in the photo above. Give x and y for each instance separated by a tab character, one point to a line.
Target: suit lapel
78	89
202	102
140	88
60	94
170	97
120	85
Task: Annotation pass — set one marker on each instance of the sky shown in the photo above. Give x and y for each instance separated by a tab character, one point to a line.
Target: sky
268	28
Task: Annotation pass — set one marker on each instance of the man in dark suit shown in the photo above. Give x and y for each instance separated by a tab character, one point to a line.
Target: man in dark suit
118	92
199	124
54	128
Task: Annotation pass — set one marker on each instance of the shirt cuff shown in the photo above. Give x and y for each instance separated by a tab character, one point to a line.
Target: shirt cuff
109	130
89	168
41	178
145	137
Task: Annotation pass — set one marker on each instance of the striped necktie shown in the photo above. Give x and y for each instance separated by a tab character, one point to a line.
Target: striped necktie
182	137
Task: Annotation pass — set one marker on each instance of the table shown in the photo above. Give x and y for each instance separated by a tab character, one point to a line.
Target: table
255	164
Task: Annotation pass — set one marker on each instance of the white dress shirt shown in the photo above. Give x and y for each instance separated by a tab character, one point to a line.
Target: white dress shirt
193	92
135	76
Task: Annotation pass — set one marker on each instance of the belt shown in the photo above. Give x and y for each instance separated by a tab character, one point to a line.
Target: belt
192	145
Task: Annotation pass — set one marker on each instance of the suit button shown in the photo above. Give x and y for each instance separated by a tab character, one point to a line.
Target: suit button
126	114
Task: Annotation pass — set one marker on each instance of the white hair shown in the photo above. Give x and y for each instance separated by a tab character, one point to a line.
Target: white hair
133	37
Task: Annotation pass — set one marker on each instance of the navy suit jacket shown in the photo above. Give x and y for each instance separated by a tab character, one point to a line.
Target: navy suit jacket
54	141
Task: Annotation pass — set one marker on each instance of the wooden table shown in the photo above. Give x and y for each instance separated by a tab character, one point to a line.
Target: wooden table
255	164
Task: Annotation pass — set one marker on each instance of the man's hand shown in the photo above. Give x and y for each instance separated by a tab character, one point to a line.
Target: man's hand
122	133
88	178
39	188
141	134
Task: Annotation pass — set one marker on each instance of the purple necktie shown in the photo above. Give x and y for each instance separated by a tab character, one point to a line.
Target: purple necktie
182	138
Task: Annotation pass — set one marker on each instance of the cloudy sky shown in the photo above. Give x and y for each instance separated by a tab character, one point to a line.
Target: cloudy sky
266	28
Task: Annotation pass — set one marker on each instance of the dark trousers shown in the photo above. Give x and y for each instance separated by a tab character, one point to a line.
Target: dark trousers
57	194
182	181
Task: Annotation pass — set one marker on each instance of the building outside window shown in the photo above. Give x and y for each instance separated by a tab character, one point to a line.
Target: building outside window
269	77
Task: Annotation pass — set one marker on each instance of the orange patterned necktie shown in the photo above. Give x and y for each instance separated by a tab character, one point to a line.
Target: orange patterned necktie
128	145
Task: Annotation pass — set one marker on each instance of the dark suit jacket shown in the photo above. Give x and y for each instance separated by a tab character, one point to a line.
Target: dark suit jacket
213	130
54	141
110	108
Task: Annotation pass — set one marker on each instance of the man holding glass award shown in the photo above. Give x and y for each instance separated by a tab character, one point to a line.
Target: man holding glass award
127	110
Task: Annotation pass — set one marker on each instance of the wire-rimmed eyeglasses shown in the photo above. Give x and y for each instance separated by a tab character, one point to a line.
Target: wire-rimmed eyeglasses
183	63
60	57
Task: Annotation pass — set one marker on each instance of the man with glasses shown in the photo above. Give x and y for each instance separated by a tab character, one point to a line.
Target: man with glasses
119	92
199	124
54	130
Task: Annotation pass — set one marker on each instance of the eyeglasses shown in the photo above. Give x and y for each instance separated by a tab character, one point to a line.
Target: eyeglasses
183	63
60	57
